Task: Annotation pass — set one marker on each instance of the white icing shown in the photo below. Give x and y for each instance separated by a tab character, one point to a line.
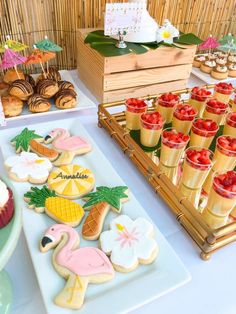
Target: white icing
232	66
128	241
4	194
200	58
220	61
210	63
232	58
211	56
221	68
28	165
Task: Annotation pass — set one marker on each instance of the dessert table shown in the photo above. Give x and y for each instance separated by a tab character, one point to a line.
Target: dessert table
211	289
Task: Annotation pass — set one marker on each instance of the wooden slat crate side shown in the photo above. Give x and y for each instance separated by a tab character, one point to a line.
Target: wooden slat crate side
139	91
146	77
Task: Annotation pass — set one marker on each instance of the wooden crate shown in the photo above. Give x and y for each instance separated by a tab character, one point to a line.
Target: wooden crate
121	77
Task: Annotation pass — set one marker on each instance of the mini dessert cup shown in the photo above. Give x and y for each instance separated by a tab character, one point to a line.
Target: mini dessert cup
221	200
183	118
207	66
134	109
166	104
171	172
198	60
233	104
173	144
208	182
230	125
197	165
223	91
151	128
215	110
225	153
198	99
203	132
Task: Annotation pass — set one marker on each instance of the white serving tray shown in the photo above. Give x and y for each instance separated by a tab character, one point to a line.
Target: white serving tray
83	102
126	291
207	77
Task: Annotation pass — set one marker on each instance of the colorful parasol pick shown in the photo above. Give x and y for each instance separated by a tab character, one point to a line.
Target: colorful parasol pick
11	59
227	39
13	45
39	56
209	44
229	47
48	45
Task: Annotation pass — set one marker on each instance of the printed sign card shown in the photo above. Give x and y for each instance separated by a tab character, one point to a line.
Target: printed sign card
121	17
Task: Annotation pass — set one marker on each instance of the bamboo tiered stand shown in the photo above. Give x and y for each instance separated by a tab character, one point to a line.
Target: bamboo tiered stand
208	240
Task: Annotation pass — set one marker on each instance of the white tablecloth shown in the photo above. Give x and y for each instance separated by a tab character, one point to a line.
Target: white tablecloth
212	288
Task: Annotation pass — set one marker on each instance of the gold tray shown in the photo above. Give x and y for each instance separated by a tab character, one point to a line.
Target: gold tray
112	117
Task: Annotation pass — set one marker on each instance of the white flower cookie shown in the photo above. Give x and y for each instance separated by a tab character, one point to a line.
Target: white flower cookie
28	167
129	243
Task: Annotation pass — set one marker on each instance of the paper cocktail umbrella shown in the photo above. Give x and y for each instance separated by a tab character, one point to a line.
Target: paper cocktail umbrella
11	59
13	45
48	45
209	44
228	47
39	56
227	39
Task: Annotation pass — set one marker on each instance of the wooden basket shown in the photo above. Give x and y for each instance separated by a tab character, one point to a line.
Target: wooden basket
208	240
132	75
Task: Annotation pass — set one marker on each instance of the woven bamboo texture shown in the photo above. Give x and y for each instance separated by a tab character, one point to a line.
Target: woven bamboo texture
30	20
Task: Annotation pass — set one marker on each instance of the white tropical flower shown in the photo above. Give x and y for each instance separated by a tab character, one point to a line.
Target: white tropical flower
167	33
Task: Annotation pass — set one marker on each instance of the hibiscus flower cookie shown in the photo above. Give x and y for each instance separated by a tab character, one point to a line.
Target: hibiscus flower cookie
129	243
28	167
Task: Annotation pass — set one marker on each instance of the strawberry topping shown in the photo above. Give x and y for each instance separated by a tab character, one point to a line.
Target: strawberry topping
185	112
225	184
216	107
174	139
206	128
231	119
199	159
200	94
152	121
227	145
224	88
168	100
136	105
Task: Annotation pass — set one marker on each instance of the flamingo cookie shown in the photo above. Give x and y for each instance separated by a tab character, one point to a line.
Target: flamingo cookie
79	266
69	146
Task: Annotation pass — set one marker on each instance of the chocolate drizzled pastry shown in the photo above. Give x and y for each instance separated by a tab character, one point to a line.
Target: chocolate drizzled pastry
21	89
65	99
30	79
47	88
65	85
37	103
51	74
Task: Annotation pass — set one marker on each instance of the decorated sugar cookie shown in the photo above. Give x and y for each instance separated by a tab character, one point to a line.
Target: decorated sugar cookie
28	140
99	203
79	266
69	146
129	243
28	167
58	208
72	181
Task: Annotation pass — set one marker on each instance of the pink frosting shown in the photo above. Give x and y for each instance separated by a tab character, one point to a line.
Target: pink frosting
63	140
84	261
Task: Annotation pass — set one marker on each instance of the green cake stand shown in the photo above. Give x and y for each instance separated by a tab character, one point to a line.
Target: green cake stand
9	236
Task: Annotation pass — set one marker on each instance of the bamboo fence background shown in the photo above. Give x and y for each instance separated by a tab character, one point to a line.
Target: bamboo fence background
30	20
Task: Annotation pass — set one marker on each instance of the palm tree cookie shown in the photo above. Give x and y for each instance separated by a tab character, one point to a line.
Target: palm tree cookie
99	203
58	208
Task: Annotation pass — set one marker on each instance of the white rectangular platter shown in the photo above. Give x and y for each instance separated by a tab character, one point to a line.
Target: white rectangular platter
126	291
207	77
83	102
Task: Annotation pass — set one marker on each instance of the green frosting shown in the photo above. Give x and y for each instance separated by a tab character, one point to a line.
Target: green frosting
112	196
22	141
37	197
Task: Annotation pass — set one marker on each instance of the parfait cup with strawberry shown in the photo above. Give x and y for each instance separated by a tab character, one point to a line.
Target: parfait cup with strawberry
221	200
173	144
166	104
233	104
203	132
223	92
198	99
216	111
183	118
230	124
151	128
224	158
134	109
197	164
